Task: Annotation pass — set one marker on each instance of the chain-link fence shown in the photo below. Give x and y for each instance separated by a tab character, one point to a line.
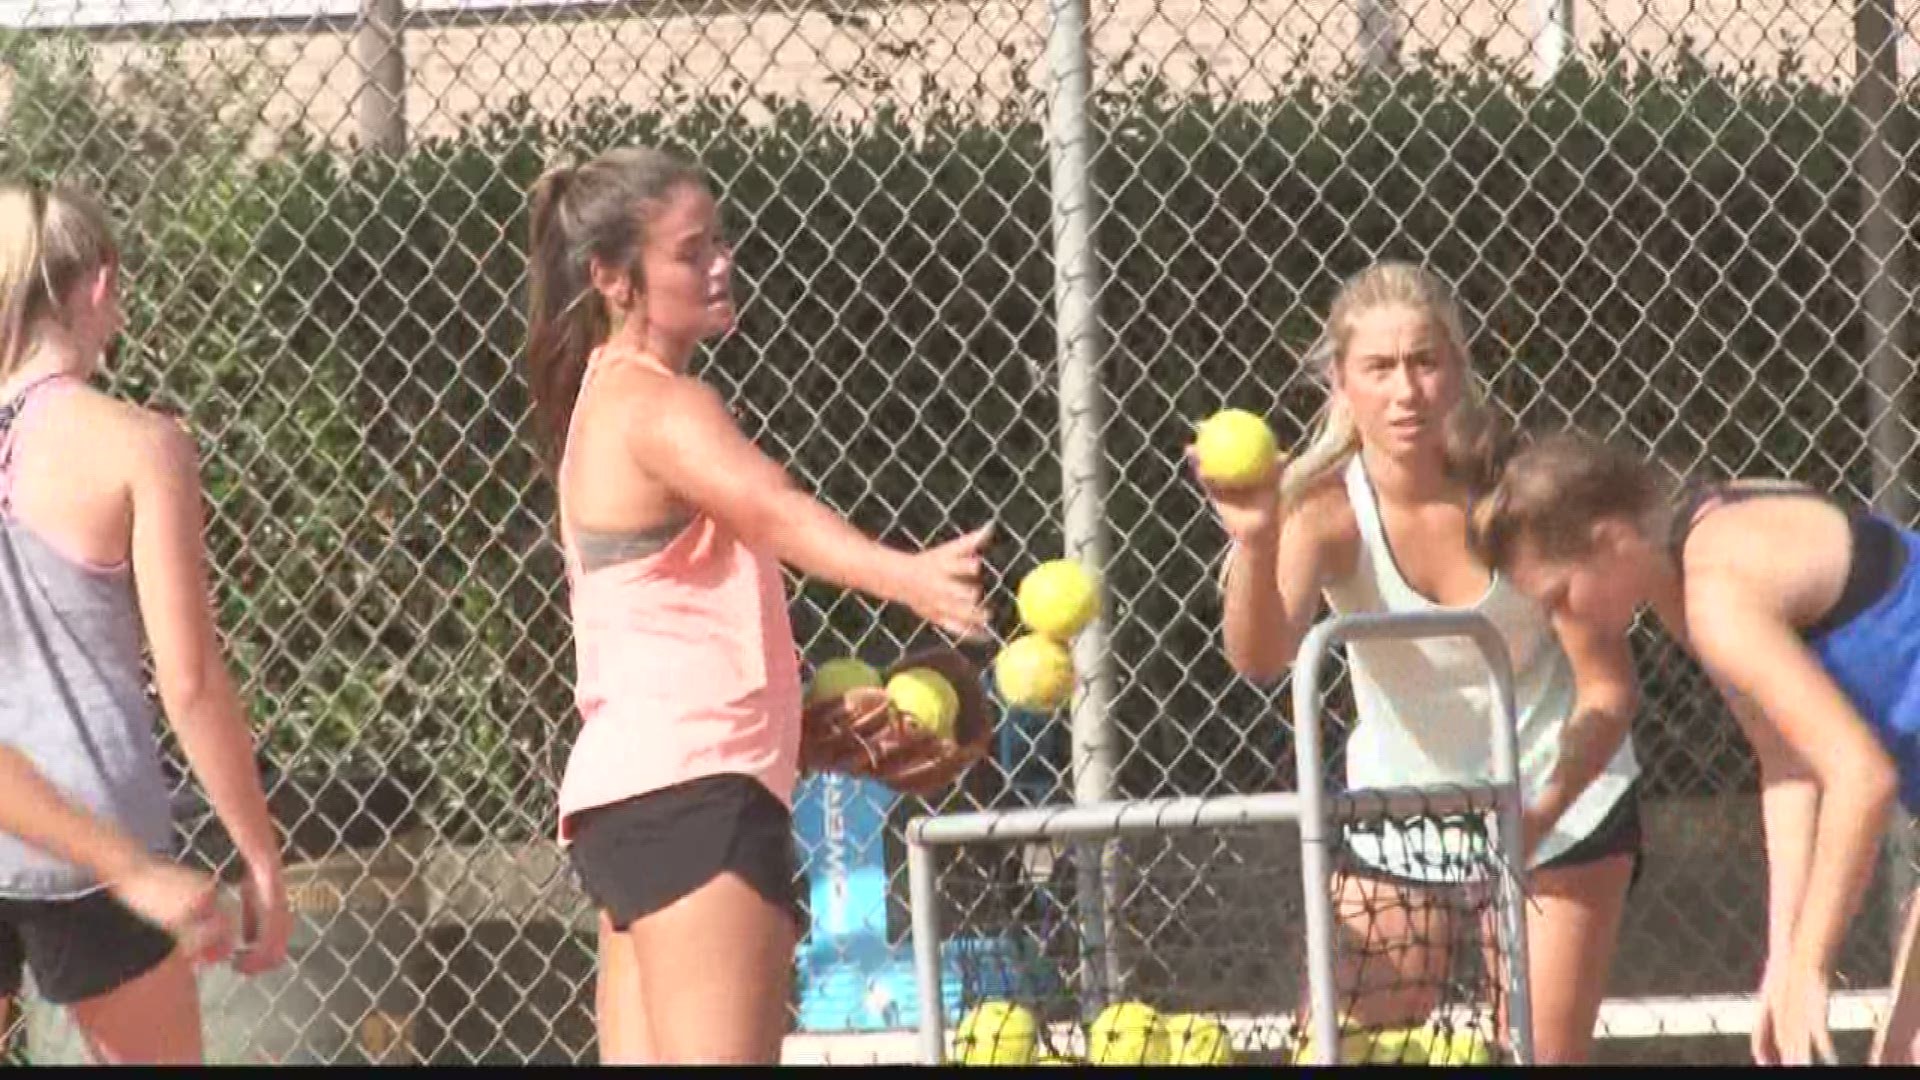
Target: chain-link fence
996	257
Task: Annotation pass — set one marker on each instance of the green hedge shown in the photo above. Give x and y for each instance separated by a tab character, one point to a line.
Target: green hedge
1662	252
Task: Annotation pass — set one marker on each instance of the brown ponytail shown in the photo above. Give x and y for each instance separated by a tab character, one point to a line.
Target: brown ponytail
578	216
564	317
1478	445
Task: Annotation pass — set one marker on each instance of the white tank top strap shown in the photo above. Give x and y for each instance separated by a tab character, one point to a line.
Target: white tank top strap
1376	557
1366	509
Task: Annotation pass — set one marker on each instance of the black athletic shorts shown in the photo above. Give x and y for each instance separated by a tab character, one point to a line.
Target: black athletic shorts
639	855
77	949
1619	833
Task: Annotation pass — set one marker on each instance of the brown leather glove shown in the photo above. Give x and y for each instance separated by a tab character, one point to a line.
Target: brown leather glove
861	733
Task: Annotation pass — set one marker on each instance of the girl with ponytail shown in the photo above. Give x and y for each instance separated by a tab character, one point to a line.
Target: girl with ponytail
1371	516
675	806
103	566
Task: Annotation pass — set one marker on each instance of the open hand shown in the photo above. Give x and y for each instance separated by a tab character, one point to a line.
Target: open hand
1793	1028
945	589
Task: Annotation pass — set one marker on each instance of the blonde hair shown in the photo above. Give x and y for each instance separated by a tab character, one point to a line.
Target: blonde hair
1333	438
49	242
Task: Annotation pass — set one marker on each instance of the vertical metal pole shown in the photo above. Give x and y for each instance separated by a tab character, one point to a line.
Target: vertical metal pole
380	46
1552	38
923	910
1082	460
1509	836
1883	305
1315	873
1379	34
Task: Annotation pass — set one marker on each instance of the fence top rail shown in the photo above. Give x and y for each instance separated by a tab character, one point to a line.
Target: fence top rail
1121	817
151	16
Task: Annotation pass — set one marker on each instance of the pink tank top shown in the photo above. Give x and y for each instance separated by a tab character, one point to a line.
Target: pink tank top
686	666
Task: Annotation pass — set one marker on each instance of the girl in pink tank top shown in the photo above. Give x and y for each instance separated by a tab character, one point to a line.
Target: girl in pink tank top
687	666
674	810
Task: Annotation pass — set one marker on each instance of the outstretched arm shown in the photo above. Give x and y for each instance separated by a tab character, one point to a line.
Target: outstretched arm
1789	810
1277	560
693	446
1789	813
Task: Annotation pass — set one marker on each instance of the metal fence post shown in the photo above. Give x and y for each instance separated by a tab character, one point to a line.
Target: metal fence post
1379	34
1082	460
380	43
1552	37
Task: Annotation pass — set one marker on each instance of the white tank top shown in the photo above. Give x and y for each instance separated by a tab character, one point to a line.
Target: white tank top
1424	707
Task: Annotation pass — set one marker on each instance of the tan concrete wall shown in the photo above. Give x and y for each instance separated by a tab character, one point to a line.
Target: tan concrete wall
1249	45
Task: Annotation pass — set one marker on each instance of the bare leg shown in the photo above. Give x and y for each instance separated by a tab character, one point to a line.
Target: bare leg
715	967
1894	1043
1573	926
622	1020
1391	952
153	1020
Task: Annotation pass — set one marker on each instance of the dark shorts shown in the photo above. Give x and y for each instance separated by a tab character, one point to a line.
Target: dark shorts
77	949
637	856
1619	833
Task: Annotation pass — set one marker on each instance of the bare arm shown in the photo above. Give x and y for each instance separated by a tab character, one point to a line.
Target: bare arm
1789	809
1272	593
1253	610
1805	727
172	897
1789	794
1606	696
693	446
35	811
169	563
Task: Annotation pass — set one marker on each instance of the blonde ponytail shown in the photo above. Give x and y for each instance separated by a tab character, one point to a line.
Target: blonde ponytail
1334	437
19	255
48	244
